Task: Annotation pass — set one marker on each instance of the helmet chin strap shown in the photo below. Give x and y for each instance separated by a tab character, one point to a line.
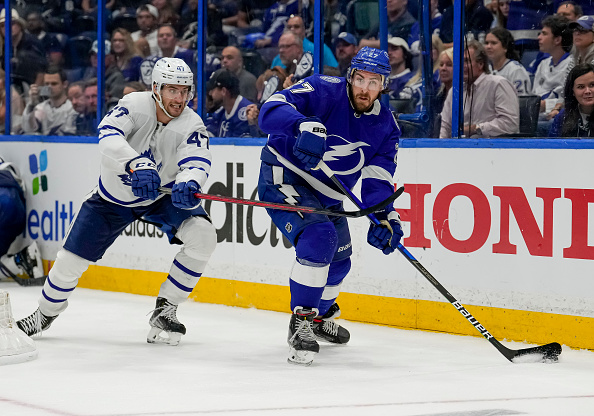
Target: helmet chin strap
160	102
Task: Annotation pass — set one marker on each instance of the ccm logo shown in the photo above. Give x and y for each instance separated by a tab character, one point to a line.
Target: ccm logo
319	130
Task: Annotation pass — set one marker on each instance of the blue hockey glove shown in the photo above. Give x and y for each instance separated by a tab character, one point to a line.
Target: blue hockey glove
182	195
311	142
144	176
387	234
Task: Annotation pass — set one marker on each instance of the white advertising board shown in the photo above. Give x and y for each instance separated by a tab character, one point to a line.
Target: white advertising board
505	228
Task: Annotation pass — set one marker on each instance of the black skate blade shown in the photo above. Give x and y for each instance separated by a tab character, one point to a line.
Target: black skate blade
548	353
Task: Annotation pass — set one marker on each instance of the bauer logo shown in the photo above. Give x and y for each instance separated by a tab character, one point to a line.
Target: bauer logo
37	166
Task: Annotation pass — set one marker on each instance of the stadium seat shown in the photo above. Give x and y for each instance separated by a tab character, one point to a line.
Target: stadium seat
84	23
402	106
77	51
253	62
125	21
362	15
529	110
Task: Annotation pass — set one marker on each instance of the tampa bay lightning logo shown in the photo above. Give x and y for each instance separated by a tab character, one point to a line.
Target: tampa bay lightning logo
349	154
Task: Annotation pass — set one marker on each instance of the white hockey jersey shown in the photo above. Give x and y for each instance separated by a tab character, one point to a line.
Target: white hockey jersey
180	149
515	73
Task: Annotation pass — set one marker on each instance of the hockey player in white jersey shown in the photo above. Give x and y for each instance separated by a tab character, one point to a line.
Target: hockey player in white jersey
150	139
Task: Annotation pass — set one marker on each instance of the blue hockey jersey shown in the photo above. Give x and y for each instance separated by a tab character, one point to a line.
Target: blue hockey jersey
358	145
234	124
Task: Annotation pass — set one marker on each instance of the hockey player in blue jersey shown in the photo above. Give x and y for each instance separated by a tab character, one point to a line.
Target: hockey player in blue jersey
149	139
342	122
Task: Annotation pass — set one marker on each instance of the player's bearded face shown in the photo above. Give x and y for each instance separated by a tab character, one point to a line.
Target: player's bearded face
174	98
365	88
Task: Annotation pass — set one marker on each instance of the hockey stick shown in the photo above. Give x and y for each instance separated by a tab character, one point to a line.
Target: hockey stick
295	208
31	281
543	353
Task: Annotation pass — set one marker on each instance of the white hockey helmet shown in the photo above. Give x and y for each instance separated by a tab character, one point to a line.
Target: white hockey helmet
171	71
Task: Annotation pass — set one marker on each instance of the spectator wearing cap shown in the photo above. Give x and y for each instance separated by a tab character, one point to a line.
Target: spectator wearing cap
401	63
232	61
147	18
230	119
114	79
295	24
400	21
28	62
582	51
346	48
53	116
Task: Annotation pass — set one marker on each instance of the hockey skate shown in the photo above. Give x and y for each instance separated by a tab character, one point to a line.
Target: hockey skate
325	329
164	319
301	339
25	267
35	323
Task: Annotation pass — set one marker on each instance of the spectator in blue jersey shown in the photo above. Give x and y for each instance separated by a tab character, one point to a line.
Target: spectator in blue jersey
168	47
577	118
478	19
499	45
274	21
343	123
295	24
346	48
400	21
400	64
230	119
555	41
414	39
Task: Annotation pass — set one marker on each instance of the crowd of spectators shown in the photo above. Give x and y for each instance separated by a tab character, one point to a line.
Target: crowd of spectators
515	50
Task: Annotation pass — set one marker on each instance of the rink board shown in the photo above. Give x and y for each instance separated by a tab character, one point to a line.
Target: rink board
505	229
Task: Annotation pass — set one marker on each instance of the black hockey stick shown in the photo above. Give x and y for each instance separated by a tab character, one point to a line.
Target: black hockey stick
31	281
295	208
543	353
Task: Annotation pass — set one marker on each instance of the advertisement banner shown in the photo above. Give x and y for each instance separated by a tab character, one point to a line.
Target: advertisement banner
505	228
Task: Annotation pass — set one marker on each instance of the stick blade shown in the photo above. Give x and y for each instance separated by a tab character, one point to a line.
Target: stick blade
548	353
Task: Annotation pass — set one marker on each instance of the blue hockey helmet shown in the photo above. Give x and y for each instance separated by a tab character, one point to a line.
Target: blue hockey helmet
371	60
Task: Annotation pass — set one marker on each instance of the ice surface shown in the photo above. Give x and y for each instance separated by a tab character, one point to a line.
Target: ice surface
95	361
